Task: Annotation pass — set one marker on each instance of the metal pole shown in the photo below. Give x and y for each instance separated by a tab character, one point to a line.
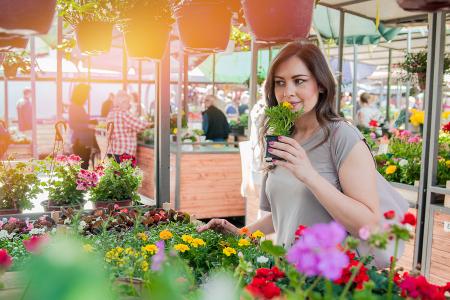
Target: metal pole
124	67
355	80
6	100
270	54
140	86
59	72
179	116
33	97
156	130
214	74
253	75
185	83
433	102
163	132
388	92
89	83
340	60
408	86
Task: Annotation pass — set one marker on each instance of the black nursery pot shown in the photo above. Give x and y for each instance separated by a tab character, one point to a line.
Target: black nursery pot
269	156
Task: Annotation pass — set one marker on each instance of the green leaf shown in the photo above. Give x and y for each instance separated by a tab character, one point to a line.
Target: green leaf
275	250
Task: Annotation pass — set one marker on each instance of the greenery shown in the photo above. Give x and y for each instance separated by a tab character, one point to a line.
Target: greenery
241	39
119	182
417	62
18	60
18	185
158	10
281	118
77	11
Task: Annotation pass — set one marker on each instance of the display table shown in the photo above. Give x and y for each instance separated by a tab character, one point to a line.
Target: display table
210	180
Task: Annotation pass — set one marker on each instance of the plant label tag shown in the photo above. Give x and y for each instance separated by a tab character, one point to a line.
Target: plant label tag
446	226
383	149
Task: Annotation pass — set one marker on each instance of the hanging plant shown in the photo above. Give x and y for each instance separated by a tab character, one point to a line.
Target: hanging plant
93	21
16	61
9	42
241	39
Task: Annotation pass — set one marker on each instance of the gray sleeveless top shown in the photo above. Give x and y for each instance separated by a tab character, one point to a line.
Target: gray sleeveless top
290	202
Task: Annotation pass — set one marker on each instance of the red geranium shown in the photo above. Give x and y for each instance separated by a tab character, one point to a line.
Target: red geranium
419	288
299	231
126	157
5	259
360	278
389	215
34	243
263	284
446	127
373	123
409	218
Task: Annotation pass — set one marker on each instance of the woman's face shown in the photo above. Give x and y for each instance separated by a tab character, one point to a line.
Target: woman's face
295	84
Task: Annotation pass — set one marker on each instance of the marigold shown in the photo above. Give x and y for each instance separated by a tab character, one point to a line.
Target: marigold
391	169
129	251
197	242
88	248
229	251
150	248
257	234
165	234
181	247
243	231
243	243
288	105
447	163
144	266
142	236
187	238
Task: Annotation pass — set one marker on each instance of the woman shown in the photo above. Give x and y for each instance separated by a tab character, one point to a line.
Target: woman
367	112
83	138
328	173
126	127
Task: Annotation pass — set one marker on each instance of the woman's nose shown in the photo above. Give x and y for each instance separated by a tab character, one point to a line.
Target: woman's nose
289	90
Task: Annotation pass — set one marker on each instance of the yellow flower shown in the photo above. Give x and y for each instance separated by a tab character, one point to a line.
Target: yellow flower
243	242
119	250
391	169
197	242
129	251
417	117
181	247
88	248
446	115
228	251
447	163
150	248
257	234
142	236
165	234
187	238
287	104
144	266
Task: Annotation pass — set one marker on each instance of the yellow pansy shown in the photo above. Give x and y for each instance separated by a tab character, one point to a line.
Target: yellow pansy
243	242
447	163
165	234
229	251
88	248
187	238
144	266
391	169
142	236
287	105
150	248
197	242
257	234
181	247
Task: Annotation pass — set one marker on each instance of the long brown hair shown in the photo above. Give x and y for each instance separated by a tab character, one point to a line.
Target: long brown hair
314	60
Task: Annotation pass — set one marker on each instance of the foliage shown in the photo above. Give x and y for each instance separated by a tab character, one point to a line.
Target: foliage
240	38
153	10
417	62
19	60
77	11
119	182
18	185
281	118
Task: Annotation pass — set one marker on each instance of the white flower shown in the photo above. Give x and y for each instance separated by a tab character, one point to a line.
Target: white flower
240	254
262	259
81	225
4	235
37	231
403	163
67	221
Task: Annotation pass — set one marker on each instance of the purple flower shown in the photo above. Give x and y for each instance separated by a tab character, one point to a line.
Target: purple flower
316	252
373	135
159	257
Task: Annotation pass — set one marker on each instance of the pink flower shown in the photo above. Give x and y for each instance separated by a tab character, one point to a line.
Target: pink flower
414	139
5	259
61	158
12	220
1	224
116	207
74	159
364	233
373	135
34	243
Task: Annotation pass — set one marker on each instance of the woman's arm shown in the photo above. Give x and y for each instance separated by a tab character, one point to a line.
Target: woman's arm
265	224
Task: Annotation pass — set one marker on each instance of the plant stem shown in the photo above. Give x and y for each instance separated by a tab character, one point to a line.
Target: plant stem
392	270
350	281
313	285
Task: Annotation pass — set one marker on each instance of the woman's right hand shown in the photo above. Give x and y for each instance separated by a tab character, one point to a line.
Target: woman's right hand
220	225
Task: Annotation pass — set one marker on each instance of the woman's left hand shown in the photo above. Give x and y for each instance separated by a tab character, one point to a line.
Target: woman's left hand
297	160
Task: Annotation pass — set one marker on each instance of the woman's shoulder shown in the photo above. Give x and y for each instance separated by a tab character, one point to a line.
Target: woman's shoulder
343	129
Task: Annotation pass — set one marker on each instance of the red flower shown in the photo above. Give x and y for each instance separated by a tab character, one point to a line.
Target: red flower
299	231
418	287
126	157
373	123
34	243
5	259
263	284
446	127
409	218
360	278
389	215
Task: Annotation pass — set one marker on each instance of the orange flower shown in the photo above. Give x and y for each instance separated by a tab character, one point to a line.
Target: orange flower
243	231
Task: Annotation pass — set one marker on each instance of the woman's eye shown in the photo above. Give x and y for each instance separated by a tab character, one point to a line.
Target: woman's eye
298	81
279	83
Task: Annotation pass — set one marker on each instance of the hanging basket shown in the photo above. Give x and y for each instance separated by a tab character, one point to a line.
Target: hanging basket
146	40
278	21
204	26
9	42
423	5
94	37
10	71
26	17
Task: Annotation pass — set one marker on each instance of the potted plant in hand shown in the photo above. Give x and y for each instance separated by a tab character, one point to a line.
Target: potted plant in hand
18	186
280	120
118	184
66	184
146	26
14	62
93	21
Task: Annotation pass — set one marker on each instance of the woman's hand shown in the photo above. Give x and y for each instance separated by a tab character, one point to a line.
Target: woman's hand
220	225
297	160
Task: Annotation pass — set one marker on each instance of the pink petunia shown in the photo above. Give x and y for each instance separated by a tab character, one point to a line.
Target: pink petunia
5	259
34	243
12	220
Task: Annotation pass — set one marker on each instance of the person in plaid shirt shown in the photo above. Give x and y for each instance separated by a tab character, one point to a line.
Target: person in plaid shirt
126	127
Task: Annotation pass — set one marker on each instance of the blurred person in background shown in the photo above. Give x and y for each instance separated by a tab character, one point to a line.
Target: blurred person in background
126	127
136	107
83	138
24	112
367	112
107	105
214	122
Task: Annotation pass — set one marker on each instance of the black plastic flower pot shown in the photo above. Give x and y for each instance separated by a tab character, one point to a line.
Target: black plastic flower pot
146	39
10	42
26	17
269	156
94	37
